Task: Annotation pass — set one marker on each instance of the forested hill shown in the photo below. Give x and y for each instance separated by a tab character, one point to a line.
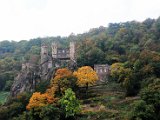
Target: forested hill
119	42
132	49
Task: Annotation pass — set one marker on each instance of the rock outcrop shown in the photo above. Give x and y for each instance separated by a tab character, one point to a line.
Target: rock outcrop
26	79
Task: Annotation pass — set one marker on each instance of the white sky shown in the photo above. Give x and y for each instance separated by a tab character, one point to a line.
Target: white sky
26	19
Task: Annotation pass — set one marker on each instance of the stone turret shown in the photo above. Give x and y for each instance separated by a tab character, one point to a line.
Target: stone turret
54	50
44	61
44	53
72	51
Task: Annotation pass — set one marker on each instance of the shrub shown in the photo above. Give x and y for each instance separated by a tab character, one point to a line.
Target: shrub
15	106
49	112
151	95
10	111
142	111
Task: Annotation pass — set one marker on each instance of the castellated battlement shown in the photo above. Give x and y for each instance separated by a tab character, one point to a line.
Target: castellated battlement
63	53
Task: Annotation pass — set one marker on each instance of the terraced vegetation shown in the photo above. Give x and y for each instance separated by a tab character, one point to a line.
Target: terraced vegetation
106	102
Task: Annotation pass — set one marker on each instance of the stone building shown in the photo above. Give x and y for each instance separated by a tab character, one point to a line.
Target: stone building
102	71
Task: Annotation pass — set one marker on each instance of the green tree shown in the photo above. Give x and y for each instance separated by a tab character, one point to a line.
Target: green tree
69	103
142	111
151	95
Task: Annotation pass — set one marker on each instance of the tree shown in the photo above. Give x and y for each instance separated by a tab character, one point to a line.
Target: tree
63	79
142	111
126	77
151	95
86	76
89	54
69	103
38	100
119	72
116	70
35	50
62	73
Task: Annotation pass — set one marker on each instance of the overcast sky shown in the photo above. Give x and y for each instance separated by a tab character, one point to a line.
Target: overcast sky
26	19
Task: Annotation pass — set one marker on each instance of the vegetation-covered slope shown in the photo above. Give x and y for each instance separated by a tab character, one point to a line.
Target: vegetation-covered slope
131	48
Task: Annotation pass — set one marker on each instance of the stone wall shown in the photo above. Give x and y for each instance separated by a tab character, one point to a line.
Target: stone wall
103	71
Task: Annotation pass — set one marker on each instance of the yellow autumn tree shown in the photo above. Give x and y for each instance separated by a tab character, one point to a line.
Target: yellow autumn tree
117	70
86	76
120	73
39	100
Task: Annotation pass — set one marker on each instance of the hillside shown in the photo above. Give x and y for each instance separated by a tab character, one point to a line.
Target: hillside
132	49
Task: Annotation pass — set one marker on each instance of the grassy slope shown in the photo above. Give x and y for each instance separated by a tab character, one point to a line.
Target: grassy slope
106	103
3	96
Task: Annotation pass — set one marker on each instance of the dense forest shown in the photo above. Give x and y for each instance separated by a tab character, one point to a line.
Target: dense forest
132	49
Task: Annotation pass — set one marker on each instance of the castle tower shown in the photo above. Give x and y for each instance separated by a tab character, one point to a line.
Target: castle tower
44	60
44	53
72	50
54	50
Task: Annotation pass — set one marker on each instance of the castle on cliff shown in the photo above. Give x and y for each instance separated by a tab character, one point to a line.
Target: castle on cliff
31	74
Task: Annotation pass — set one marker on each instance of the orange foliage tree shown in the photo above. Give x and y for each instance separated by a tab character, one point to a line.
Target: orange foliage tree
61	81
39	100
86	76
62	73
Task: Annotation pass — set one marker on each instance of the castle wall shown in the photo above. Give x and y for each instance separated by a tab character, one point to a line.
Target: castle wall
102	71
